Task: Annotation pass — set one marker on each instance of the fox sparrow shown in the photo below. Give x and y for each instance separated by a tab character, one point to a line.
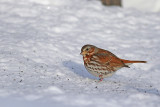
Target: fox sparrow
102	63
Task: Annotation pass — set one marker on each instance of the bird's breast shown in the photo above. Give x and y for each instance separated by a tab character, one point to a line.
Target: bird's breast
86	58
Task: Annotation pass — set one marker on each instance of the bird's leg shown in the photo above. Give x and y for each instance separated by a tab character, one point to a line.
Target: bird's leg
100	78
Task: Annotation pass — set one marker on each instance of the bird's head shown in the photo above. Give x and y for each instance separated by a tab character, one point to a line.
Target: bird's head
88	50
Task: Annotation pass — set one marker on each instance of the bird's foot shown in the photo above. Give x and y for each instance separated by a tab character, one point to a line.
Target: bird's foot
100	78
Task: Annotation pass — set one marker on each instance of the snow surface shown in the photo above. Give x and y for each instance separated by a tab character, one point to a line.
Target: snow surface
40	62
143	5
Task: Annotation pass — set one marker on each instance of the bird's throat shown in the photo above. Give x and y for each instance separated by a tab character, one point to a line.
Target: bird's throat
86	58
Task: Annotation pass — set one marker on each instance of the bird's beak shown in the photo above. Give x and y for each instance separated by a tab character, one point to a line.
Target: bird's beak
83	53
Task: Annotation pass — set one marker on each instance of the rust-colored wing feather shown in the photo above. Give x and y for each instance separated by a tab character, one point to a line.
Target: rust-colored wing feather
109	60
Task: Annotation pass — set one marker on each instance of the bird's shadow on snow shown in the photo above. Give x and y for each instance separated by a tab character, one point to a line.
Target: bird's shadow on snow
78	69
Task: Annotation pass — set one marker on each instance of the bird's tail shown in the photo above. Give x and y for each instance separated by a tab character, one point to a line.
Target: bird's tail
128	61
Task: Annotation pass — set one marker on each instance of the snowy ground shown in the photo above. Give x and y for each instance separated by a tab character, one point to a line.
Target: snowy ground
40	64
143	5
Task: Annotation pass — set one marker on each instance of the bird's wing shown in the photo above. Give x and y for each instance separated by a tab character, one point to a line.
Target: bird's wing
109	60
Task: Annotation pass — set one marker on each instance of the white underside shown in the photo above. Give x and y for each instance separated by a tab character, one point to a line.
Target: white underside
97	72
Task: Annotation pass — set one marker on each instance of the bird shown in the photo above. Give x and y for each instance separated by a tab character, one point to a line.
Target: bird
103	63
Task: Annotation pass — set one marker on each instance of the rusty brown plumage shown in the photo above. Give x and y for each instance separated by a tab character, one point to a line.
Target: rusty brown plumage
102	63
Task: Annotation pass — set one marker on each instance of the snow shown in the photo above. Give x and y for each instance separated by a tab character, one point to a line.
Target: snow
143	5
40	61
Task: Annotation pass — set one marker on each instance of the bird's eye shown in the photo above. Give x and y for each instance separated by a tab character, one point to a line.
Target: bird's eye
87	49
